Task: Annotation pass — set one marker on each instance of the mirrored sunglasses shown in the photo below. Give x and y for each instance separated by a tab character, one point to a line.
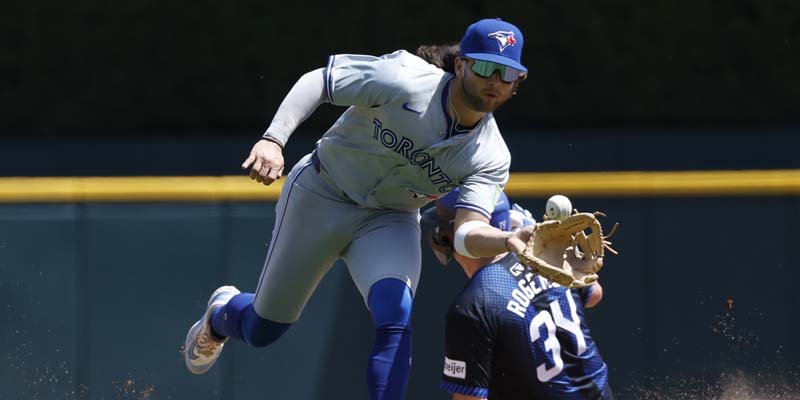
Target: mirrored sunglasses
485	69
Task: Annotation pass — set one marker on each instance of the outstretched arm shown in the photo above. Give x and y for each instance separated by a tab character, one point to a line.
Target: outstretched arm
483	240
266	156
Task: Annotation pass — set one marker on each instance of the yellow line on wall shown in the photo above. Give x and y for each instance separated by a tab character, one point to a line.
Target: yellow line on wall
140	188
527	184
647	184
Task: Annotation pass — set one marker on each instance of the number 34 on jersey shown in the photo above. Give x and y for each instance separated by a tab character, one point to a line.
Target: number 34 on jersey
545	341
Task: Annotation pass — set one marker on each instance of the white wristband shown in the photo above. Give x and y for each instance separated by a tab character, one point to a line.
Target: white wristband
461	235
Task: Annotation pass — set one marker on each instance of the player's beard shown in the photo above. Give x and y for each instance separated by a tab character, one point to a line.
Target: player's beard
477	102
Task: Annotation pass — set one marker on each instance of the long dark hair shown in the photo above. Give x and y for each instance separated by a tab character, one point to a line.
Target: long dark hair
440	55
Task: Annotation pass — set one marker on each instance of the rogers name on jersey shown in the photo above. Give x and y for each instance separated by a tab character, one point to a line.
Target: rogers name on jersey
405	147
528	286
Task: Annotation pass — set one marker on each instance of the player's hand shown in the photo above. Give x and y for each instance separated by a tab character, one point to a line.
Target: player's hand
518	239
266	159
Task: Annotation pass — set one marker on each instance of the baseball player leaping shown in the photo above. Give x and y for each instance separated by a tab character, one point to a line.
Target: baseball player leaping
412	132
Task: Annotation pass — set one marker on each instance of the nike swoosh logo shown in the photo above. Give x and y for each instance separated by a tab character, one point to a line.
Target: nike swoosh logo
407	108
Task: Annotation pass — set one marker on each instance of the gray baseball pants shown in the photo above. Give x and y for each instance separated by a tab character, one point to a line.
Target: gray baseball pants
316	224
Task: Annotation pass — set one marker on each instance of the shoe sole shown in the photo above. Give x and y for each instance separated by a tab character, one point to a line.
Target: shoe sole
200	370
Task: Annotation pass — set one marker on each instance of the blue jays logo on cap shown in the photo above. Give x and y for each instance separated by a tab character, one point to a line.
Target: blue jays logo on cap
494	40
504	38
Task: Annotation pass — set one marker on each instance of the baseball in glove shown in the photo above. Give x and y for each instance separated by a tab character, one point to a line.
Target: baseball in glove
562	252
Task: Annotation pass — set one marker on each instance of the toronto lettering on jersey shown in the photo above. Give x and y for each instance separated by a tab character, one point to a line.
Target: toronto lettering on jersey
405	147
528	286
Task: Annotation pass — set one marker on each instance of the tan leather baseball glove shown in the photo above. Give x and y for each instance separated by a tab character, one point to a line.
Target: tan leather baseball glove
563	252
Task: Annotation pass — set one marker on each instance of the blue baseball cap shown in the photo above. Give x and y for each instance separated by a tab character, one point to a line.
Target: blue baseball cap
494	40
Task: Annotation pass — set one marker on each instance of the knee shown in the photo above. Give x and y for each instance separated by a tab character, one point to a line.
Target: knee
390	303
261	332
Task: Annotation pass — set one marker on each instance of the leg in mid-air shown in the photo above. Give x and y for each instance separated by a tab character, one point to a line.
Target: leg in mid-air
229	314
290	275
384	261
202	347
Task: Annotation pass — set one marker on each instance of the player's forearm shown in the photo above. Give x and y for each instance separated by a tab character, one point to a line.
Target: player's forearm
486	241
475	238
301	101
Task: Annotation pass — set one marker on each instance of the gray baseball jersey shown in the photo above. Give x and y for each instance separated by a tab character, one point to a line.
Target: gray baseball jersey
396	147
394	150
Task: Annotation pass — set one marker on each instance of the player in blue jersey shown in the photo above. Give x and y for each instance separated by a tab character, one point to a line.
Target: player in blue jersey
412	132
511	334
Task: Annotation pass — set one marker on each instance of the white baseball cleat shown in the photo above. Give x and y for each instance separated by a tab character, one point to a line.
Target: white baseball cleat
201	348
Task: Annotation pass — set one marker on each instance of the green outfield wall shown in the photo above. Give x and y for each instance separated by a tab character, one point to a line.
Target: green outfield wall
98	297
110	247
